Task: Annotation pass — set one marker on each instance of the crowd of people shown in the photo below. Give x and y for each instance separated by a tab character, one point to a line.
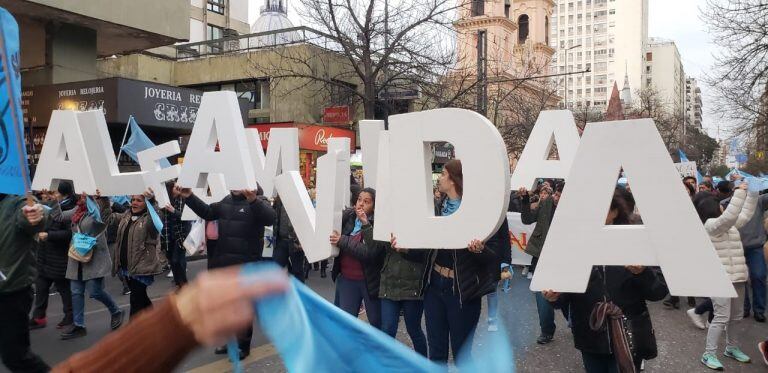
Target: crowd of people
62	240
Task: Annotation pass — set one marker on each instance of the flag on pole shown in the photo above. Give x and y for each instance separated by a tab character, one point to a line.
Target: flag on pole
139	142
14	170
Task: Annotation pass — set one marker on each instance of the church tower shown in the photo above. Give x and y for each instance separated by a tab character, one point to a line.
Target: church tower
516	35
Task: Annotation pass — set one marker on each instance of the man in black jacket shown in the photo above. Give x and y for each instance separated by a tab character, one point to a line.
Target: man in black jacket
52	261
242	216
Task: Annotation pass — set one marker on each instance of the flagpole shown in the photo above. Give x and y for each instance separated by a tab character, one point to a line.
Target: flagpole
125	134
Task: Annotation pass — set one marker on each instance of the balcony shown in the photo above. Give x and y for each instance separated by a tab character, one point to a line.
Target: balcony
255	41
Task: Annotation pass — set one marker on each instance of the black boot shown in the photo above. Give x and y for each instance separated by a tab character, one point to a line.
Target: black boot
322	273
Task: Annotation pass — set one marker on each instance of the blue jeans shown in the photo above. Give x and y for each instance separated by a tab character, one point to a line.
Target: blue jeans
351	293
412	311
546	315
96	291
756	264
448	319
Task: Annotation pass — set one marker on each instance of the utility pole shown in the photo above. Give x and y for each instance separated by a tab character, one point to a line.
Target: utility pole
482	72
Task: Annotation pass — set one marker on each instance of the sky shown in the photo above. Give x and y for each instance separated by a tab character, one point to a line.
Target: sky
677	20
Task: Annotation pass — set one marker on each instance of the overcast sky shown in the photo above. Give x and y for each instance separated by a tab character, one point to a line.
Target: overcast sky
677	20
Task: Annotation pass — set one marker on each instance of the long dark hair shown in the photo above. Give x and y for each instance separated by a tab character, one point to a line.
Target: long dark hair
619	203
453	167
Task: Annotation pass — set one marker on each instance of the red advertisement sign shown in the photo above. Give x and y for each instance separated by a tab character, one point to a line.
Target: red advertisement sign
310	137
336	114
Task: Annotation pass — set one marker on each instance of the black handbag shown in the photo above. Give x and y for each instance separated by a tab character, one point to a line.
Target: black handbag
643	336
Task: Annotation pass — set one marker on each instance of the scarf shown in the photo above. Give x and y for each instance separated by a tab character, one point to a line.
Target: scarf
450	206
358	227
80	211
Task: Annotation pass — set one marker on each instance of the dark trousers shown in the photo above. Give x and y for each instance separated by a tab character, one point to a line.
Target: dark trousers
604	363
757	275
14	332
177	258
447	319
42	284
287	257
139	298
706	306
350	294
210	250
412	311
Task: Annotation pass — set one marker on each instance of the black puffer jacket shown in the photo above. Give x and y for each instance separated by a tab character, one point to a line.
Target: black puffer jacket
475	274
371	257
241	227
52	257
626	290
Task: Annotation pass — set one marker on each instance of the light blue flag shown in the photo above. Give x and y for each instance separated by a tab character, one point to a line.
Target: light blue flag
14	170
93	209
156	221
120	200
313	335
139	142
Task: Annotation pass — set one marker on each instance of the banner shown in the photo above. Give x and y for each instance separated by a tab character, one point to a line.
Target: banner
519	234
14	171
687	169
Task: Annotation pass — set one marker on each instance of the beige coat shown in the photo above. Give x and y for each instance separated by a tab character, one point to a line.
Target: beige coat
724	233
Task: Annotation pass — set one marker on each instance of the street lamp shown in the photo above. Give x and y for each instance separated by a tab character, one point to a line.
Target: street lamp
566	71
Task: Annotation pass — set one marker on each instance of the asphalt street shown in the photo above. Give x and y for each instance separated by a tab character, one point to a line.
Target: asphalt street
680	344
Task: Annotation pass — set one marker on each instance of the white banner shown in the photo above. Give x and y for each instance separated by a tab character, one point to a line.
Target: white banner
686	169
519	234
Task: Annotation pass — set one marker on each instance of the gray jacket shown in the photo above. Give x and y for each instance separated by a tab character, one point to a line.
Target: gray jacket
100	264
753	234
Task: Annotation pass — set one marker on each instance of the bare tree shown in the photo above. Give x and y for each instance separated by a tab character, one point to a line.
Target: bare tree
366	50
740	29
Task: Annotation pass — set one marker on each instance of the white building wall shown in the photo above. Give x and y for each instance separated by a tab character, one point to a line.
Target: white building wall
612	34
667	74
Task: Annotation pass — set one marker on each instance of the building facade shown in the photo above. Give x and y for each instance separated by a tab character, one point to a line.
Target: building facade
693	106
597	42
663	71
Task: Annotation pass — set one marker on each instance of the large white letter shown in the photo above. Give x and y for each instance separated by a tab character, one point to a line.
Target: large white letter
370	130
552	126
154	174
314	226
216	185
672	237
218	122
282	155
64	156
383	186
485	166
109	179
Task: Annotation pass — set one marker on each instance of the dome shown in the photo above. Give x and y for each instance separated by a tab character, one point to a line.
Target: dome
273	17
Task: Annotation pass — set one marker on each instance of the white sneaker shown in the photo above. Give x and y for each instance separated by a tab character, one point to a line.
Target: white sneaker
525	271
169	275
700	321
493	327
530	275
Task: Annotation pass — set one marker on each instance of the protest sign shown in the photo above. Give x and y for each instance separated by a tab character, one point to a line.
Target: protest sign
519	234
686	169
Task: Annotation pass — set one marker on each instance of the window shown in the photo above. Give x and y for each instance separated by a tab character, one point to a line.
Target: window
649	56
522	28
546	27
507	5
342	93
216	6
255	93
648	69
612	11
214	33
478	8
601	90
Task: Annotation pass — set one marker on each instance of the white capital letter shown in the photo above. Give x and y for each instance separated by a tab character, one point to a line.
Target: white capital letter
64	156
552	126
282	155
672	237
154	174
485	167
219	124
